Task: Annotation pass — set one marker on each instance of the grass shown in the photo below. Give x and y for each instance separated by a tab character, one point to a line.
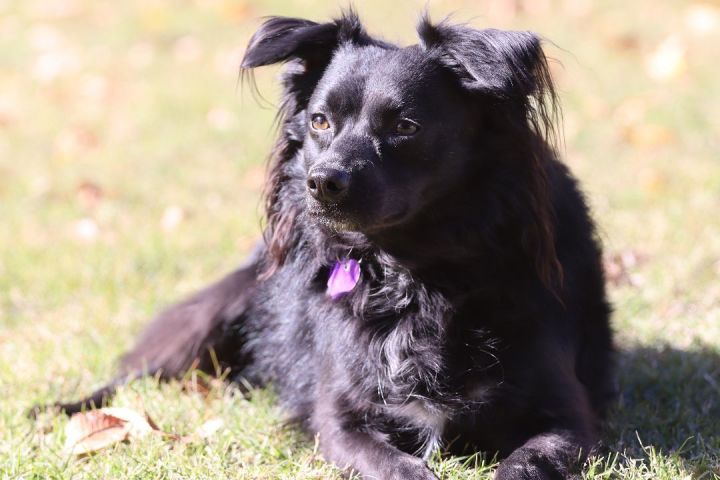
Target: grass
130	172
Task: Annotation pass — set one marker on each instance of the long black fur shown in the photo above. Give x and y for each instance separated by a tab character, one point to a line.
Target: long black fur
480	321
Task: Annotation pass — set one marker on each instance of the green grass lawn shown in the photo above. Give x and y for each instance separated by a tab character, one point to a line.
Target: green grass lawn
131	164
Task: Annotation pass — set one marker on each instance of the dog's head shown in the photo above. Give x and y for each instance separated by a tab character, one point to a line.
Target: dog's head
385	135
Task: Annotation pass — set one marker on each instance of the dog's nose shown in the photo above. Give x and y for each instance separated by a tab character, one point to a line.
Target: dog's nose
328	185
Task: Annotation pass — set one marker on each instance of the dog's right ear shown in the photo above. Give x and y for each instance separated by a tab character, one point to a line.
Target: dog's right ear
280	39
308	47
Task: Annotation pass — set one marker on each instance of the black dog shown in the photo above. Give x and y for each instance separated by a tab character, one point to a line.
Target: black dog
430	275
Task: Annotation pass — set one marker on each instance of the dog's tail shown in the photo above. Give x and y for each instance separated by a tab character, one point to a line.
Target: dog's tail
191	334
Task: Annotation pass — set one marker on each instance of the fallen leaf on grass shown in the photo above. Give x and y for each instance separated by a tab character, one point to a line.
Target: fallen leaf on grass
618	267
625	42
88	194
197	385
203	386
90	431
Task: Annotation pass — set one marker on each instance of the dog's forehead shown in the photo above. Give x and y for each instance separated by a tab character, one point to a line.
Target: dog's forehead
358	73
404	70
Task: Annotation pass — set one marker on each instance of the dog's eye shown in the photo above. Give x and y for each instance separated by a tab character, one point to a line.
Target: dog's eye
319	122
406	128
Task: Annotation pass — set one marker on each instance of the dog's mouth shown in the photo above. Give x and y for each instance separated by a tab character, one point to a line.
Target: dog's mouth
397	217
342	219
332	217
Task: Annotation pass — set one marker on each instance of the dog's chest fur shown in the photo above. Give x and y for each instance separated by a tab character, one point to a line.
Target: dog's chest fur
402	380
390	348
384	351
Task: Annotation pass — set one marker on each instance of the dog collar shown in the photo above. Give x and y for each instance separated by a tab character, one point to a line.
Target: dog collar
344	276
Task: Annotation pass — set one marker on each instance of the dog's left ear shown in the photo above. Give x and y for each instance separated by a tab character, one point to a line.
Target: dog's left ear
497	62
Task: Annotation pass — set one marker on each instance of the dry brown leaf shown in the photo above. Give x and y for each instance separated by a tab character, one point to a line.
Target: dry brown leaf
88	194
618	267
90	431
139	423
625	42
202	385
196	385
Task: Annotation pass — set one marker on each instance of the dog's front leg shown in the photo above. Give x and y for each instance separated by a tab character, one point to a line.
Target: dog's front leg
346	441
554	455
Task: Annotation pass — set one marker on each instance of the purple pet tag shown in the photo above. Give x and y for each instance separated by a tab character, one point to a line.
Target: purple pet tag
343	278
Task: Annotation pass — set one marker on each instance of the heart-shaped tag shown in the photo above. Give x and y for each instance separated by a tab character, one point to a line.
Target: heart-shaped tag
343	277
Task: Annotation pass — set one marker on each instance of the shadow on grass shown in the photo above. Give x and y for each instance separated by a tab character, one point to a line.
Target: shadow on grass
669	399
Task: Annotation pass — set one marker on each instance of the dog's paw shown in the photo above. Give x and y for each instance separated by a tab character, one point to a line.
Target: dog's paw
530	465
411	469
518	471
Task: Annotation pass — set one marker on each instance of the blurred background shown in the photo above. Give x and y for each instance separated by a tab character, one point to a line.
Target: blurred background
131	163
